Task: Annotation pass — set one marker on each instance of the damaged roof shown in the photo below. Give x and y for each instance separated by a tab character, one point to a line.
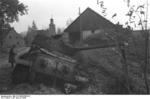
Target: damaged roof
4	33
89	20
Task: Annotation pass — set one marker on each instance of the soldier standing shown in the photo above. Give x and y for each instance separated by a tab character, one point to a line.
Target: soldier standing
12	56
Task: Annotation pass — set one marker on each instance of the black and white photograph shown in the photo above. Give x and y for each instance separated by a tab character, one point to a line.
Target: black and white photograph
74	47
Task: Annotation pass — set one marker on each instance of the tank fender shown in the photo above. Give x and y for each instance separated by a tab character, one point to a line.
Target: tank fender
18	59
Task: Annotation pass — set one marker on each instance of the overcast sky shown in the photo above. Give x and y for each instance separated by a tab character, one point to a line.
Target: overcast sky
61	10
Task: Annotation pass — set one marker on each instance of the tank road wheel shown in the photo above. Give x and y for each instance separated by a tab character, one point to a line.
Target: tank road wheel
69	88
20	74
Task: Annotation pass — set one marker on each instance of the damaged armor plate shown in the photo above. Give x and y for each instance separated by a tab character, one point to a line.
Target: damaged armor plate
55	64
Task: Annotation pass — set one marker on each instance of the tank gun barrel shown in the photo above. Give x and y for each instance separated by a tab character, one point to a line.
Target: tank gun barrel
97	46
71	51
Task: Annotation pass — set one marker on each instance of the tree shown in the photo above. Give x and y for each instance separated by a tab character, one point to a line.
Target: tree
10	11
34	27
137	16
68	22
59	30
29	29
141	11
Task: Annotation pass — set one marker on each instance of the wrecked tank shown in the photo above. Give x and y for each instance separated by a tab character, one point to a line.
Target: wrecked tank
54	58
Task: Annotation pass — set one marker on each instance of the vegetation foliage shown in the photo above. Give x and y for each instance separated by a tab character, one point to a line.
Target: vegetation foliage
138	46
10	11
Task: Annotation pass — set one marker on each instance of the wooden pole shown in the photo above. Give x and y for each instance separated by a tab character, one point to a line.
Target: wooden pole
146	61
125	67
146	51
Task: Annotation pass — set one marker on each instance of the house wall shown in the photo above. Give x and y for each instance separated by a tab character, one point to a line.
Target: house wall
13	39
66	37
30	37
45	33
88	33
74	37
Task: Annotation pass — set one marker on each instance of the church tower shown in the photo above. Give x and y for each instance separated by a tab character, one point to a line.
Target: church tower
52	30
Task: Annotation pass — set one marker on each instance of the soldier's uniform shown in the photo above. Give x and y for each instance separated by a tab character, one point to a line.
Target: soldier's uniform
12	56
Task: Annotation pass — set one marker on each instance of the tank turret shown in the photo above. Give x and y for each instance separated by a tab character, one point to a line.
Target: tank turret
56	43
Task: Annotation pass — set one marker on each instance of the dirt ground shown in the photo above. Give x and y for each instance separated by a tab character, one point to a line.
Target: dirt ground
104	70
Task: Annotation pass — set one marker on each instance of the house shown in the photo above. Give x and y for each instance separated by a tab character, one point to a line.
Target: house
32	34
88	23
30	37
48	32
10	37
